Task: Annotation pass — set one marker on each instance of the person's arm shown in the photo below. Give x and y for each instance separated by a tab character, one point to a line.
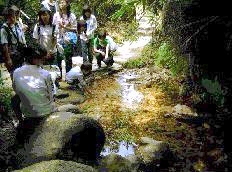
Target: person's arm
93	27
7	58
94	23
72	25
50	91
82	84
6	51
35	33
95	47
54	36
107	50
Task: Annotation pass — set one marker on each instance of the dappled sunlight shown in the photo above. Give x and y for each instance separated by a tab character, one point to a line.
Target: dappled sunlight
107	102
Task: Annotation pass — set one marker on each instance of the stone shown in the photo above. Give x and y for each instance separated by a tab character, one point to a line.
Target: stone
57	166
68	108
151	151
63	135
115	163
7	135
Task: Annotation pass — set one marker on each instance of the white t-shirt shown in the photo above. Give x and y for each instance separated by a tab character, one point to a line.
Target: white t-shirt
75	74
65	20
112	45
45	37
48	5
91	25
18	31
34	87
55	74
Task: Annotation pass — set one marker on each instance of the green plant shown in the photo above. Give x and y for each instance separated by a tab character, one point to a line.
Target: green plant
214	88
5	95
134	63
167	56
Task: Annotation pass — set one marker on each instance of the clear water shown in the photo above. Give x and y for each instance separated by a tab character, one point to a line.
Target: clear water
131	98
122	148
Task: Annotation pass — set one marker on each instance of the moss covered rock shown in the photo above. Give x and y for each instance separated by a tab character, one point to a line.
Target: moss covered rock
63	135
57	166
116	163
152	151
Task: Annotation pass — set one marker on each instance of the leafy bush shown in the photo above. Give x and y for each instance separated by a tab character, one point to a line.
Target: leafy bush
214	88
5	95
163	55
168	57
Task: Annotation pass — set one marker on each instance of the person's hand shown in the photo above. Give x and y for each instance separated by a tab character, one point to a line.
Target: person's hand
61	24
9	64
102	53
87	91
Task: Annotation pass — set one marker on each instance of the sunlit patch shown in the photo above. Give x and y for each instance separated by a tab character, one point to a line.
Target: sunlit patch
143	120
122	148
32	81
52	117
130	97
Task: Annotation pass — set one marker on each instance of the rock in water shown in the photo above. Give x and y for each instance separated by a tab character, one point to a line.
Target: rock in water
116	163
152	151
63	135
57	166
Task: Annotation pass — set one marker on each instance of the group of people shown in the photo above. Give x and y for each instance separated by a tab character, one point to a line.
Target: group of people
56	33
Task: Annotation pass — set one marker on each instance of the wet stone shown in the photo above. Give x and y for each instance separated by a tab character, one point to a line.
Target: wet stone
57	166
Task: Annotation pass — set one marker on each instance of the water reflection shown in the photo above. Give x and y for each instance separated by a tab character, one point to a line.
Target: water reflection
130	97
122	148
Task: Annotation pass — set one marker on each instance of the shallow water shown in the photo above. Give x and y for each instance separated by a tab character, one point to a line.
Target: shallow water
131	98
122	148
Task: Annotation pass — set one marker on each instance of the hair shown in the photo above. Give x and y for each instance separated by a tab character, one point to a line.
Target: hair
35	51
8	11
81	23
86	8
102	34
68	8
42	11
86	67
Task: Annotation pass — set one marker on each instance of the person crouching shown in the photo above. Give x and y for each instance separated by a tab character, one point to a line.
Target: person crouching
33	86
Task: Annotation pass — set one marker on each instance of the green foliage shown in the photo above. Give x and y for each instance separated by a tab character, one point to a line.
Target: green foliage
164	55
168	57
130	32
5	95
126	7
135	63
214	88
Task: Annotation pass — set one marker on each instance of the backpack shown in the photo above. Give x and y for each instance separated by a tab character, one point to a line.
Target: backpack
8	39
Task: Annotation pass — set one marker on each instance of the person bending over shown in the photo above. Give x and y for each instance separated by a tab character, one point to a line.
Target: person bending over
77	77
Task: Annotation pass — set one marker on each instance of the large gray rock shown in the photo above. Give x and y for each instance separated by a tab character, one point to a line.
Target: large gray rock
63	135
152	151
57	166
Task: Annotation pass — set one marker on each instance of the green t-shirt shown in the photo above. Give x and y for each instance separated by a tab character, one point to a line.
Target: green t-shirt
100	43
